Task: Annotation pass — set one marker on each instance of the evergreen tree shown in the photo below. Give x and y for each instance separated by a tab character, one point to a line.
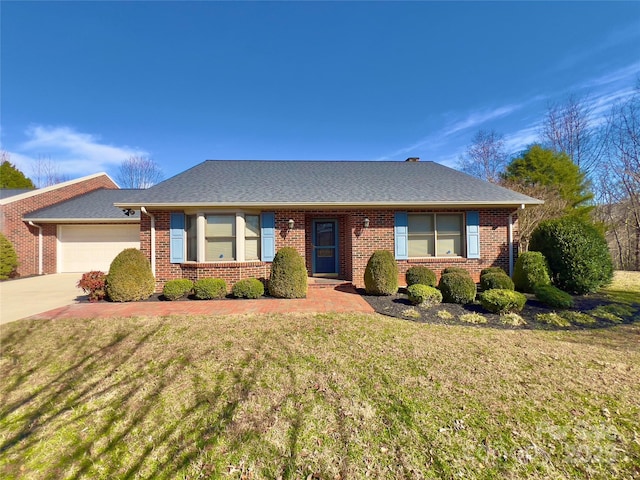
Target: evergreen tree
11	177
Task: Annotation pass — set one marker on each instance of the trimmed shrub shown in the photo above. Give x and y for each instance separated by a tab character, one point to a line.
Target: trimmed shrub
502	301
456	270
130	277
484	271
381	274
457	288
577	253
553	297
8	258
175	289
248	288
531	269
491	280
210	288
288	275
420	294
421	276
93	284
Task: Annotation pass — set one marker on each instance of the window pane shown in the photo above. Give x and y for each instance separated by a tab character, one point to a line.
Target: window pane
192	238
420	223
421	245
220	249
448	245
221	226
252	249
252	226
449	224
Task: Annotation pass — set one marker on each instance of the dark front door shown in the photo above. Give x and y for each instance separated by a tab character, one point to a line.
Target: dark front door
325	247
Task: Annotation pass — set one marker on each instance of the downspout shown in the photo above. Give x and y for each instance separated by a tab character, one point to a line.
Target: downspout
153	239
39	246
511	239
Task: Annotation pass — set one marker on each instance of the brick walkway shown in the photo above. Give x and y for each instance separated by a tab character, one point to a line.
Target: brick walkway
342	298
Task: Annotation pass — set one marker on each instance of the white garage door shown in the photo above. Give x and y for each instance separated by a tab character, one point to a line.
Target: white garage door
83	248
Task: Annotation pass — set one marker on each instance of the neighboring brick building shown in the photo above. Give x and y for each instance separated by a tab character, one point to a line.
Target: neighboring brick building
227	219
36	247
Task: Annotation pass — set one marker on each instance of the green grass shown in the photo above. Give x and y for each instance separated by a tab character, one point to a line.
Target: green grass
326	396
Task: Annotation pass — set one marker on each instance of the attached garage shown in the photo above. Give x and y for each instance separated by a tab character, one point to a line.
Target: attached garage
82	248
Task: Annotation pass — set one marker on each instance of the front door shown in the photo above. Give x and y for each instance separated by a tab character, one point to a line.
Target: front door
325	247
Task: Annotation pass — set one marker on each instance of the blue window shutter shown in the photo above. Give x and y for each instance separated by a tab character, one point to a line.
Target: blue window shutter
176	244
401	234
268	235
473	235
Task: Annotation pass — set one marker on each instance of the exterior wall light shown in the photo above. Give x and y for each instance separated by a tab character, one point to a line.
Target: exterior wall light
366	222
291	224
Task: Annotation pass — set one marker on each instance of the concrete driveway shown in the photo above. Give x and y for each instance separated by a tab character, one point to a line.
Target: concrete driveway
28	296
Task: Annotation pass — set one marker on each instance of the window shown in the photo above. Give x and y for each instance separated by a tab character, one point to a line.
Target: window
220	238
434	235
217	237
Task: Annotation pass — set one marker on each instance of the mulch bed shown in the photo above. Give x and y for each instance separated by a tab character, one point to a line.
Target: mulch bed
400	307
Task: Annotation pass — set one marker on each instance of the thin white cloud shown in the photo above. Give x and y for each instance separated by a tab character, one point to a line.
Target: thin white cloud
74	153
471	121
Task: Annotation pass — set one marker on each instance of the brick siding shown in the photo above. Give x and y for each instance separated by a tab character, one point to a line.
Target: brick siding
356	244
25	237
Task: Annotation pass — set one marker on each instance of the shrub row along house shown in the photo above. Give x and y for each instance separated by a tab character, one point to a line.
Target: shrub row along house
226	219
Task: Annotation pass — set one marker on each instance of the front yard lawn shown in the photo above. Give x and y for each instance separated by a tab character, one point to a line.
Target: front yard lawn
324	396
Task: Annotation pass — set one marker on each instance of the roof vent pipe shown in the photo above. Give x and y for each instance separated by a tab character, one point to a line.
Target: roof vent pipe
413	159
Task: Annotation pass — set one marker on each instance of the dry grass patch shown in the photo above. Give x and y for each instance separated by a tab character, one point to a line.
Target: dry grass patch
326	396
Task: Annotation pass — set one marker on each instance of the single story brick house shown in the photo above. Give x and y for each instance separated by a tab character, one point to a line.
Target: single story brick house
69	227
227	219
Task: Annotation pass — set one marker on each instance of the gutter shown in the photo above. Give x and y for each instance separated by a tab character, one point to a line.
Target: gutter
39	246
153	239
511	239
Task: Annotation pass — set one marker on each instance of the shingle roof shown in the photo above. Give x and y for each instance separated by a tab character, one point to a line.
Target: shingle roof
11	192
93	206
254	182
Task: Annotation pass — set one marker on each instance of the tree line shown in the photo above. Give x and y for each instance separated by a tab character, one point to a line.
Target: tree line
581	166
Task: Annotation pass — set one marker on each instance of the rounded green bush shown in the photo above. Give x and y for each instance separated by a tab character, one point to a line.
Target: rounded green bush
175	289
381	274
419	275
553	297
288	275
210	288
457	288
130	277
577	253
420	294
456	270
493	280
531	269
248	288
502	301
484	271
8	258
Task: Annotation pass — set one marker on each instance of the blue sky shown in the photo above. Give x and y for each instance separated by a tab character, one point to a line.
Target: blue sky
88	84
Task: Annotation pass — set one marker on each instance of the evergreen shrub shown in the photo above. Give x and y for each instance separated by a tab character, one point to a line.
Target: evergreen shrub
553	297
381	274
425	295
457	288
419	275
175	289
130	278
248	288
531	269
288	275
210	288
502	301
493	280
8	258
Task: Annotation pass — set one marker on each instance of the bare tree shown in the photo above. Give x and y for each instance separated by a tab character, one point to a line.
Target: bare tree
485	157
45	172
569	128
138	172
621	179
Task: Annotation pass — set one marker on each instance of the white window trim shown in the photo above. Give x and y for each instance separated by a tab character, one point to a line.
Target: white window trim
240	254
435	235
